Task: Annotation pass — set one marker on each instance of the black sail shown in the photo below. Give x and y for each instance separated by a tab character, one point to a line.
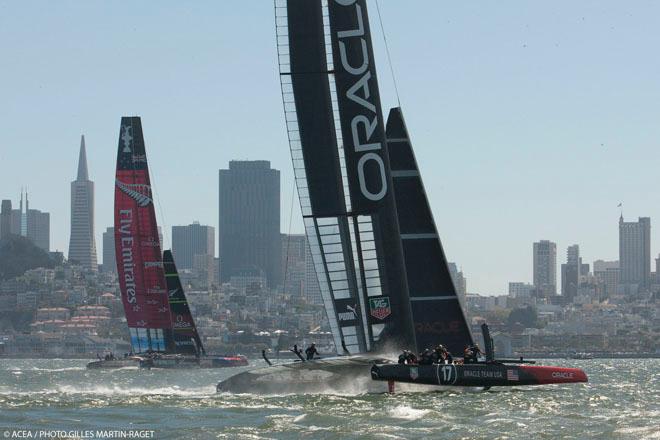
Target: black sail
186	337
437	313
339	152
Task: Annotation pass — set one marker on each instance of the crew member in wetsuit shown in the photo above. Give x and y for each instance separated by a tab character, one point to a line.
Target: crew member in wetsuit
411	358
426	357
311	351
438	354
467	355
476	351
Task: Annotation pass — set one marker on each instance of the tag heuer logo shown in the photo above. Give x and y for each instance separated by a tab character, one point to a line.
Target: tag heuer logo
414	373
380	308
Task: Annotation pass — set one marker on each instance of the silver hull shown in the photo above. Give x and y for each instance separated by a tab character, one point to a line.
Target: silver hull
345	374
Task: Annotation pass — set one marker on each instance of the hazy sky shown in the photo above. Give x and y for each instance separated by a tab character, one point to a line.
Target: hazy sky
530	120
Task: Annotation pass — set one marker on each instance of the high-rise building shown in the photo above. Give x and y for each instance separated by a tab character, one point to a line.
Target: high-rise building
635	252
545	268
298	273
109	260
249	226
570	273
30	223
608	274
82	243
460	283
294	266
38	228
204	270
312	287
5	218
520	290
191	240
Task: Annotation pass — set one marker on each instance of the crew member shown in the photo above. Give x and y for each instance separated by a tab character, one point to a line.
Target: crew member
438	354
311	351
467	355
426	357
476	351
448	358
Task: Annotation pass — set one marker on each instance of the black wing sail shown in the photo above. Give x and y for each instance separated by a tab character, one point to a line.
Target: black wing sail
186	337
337	140
437	313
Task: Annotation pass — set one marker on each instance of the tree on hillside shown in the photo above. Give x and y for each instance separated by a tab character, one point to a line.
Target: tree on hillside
525	316
18	254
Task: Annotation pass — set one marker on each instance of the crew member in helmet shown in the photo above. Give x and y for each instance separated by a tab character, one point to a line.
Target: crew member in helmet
426	357
467	355
311	351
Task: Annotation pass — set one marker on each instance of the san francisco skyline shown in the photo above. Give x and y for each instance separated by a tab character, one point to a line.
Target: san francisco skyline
525	128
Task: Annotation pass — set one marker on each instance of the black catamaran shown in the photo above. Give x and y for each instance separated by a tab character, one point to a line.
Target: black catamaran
378	257
162	330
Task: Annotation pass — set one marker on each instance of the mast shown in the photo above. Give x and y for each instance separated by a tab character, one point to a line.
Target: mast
339	153
436	308
137	246
186	337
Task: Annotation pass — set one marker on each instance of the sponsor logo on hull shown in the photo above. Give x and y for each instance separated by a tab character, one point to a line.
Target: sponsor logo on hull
512	375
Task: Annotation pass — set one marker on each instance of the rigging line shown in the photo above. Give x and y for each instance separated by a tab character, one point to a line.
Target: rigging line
156	197
288	237
387	51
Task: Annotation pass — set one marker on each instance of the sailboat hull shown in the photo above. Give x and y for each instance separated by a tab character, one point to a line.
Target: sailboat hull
477	375
178	361
338	374
114	363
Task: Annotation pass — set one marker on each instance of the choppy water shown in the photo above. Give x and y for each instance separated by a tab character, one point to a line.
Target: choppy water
621	401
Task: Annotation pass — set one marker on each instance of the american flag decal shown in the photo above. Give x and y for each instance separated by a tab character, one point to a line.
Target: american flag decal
512	375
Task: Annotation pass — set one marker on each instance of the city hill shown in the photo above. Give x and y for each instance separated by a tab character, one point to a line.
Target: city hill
18	254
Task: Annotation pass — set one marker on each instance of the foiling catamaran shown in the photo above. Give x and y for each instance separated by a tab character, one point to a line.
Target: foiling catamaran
162	330
381	267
